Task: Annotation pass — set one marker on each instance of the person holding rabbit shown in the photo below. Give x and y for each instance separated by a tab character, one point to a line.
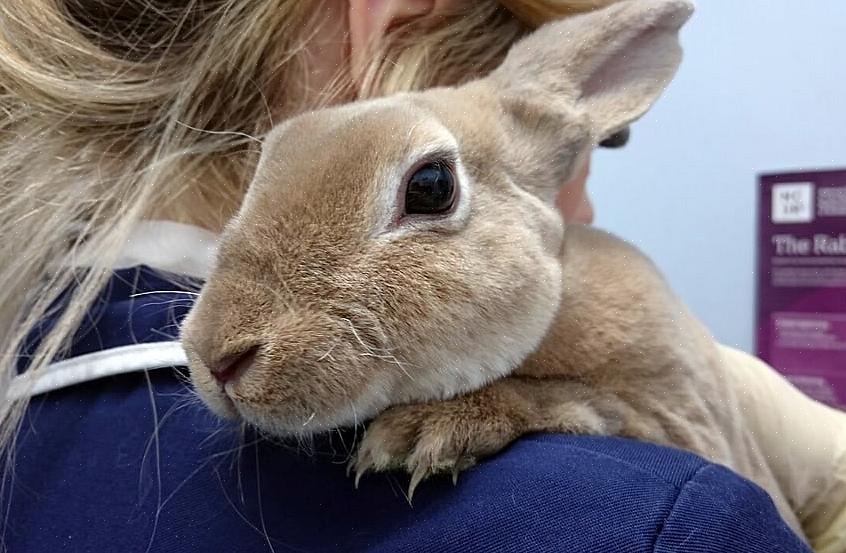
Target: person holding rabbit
132	134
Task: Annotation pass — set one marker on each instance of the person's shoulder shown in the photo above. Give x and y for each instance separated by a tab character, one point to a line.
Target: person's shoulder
608	494
214	488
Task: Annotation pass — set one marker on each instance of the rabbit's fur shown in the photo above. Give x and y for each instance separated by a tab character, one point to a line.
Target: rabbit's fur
460	333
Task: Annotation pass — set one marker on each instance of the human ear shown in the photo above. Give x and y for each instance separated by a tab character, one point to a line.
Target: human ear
370	20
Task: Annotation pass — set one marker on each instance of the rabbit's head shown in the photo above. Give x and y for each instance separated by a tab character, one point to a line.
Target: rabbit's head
407	249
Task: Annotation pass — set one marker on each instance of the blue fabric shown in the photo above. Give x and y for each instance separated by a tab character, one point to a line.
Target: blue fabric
92	474
138	305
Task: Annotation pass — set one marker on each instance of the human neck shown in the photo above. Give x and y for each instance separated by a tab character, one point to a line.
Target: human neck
207	199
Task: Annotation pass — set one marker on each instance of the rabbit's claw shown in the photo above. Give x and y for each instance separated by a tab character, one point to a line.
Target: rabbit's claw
424	440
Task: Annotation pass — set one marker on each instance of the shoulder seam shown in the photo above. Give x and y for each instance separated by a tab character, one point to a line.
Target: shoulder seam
679	490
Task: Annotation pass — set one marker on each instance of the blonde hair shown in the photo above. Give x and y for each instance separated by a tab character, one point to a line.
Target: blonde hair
117	113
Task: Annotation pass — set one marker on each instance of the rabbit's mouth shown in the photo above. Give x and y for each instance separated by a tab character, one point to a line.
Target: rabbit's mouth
304	379
307	415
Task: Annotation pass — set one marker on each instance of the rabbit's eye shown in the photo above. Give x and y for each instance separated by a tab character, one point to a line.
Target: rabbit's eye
430	190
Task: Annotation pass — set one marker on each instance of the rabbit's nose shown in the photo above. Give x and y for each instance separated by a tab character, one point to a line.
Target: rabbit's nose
232	366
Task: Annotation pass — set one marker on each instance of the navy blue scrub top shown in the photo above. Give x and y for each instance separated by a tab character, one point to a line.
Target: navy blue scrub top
134	462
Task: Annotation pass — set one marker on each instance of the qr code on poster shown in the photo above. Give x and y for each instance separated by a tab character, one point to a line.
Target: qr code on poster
793	202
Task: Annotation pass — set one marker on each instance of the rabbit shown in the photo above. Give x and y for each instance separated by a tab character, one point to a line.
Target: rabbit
401	260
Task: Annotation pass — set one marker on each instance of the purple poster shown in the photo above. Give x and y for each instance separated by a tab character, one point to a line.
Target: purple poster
802	280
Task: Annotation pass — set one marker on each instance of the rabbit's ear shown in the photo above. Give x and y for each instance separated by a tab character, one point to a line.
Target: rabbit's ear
610	64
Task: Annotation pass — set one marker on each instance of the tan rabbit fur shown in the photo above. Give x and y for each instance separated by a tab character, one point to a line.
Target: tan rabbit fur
461	332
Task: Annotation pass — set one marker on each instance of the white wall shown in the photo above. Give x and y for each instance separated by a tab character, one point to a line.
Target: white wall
762	88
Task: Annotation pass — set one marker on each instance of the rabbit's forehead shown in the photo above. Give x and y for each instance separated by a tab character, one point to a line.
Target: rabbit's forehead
371	135
355	155
394	129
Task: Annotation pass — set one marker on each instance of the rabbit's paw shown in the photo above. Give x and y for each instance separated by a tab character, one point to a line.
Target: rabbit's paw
434	438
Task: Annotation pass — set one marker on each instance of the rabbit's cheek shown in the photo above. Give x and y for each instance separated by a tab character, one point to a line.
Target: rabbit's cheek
489	326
